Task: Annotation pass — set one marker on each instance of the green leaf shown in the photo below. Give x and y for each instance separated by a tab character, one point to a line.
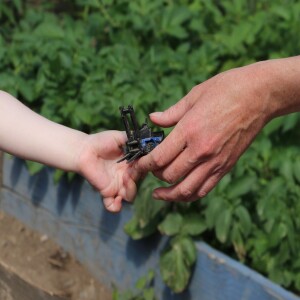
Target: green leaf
176	263
65	60
265	147
26	90
58	174
172	21
193	224
144	281
241	187
238	242
49	31
115	294
215	207
244	219
223	224
297	281
136	231
34	167
149	294
189	249
290	122
286	170
281	11
278	232
276	275
260	245
18	5
172	224
148	212
224	183
296	170
273	126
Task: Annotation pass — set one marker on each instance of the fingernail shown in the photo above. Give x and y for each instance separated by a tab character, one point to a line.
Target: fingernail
114	208
156	114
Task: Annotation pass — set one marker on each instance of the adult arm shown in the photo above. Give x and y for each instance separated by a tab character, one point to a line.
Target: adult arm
216	122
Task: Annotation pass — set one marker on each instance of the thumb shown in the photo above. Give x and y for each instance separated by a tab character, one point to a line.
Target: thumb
172	115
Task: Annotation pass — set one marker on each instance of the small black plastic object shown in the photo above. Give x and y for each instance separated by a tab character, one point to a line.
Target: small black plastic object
141	140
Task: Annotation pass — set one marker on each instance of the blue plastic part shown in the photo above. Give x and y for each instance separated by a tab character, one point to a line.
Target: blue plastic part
155	140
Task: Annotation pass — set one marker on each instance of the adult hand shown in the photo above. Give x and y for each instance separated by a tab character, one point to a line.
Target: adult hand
215	123
97	162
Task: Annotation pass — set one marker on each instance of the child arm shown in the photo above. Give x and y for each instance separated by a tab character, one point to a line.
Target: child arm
28	135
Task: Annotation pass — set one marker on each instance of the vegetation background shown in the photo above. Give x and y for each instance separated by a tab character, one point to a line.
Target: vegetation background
76	62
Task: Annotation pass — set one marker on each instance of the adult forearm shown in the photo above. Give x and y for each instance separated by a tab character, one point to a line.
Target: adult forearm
281	80
33	137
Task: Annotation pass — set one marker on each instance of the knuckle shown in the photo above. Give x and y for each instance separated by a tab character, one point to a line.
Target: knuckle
193	158
185	193
159	175
157	158
206	150
151	162
202	193
218	171
210	184
169	178
199	151
196	155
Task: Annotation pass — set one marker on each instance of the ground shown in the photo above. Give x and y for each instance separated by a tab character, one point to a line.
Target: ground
44	265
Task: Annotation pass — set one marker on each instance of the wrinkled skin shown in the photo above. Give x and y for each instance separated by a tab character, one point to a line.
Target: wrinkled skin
214	124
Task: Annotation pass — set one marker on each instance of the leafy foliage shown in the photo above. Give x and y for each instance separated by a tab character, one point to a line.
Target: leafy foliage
144	290
147	213
77	61
176	262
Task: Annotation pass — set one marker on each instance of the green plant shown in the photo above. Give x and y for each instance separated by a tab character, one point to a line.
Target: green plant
77	61
144	290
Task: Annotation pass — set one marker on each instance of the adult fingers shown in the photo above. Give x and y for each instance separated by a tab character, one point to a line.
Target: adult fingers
172	115
185	189
210	183
164	153
178	168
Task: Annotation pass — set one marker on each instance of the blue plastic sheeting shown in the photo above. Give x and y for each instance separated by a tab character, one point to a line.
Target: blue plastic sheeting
73	215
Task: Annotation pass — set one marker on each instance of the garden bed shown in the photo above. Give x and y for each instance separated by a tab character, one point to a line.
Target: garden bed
73	216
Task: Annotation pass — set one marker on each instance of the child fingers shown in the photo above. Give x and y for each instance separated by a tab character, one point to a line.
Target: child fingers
113	204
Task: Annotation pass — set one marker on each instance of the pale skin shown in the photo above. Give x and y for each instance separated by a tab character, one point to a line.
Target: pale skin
216	122
30	136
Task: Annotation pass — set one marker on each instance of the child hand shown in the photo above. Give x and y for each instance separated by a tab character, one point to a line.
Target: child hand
97	162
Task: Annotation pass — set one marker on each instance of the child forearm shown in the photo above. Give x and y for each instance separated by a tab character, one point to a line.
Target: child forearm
30	136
